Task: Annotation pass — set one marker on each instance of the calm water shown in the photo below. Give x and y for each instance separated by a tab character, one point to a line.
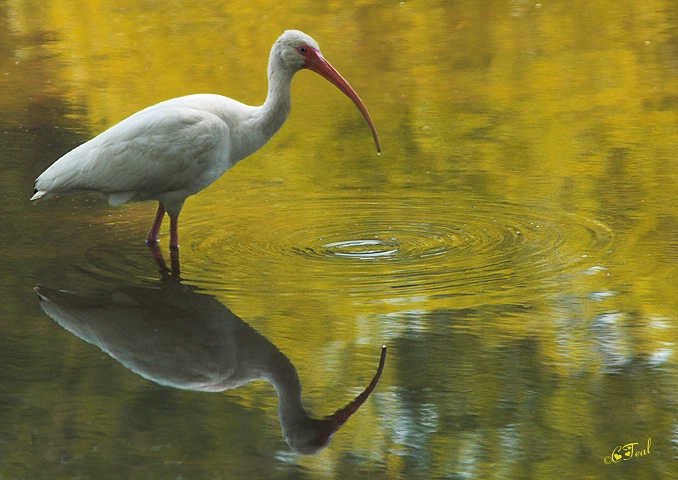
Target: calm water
515	246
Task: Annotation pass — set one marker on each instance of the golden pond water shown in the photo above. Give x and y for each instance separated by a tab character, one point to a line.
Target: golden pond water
515	246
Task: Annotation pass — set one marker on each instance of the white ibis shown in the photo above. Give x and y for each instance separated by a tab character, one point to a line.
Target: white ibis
174	149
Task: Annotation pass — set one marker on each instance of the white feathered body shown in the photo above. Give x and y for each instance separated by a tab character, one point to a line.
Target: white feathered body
172	150
165	152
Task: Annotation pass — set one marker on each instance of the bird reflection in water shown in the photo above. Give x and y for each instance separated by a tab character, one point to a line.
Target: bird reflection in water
177	337
174	270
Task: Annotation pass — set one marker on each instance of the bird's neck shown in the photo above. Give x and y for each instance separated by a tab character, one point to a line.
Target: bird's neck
259	124
286	382
276	108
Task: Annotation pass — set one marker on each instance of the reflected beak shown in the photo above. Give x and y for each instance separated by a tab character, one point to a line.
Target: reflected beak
316	63
329	425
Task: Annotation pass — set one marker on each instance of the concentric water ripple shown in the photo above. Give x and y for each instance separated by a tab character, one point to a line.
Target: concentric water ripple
378	248
424	247
383	240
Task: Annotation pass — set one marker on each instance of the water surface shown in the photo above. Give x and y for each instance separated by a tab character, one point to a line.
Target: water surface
515	246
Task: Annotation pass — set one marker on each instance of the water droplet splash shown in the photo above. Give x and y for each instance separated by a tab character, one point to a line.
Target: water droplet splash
361	249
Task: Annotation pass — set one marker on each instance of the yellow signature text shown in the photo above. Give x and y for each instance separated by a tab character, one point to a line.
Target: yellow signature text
627	452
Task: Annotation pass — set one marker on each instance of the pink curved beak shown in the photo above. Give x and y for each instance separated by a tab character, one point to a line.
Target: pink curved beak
316	63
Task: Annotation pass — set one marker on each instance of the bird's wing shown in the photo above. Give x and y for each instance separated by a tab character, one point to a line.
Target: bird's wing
164	148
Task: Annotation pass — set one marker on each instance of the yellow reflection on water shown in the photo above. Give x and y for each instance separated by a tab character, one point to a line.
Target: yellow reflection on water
524	200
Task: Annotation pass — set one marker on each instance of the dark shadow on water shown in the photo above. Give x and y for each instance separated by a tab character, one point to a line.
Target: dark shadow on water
173	335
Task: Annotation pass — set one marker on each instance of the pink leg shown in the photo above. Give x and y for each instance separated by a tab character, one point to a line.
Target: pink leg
152	237
174	232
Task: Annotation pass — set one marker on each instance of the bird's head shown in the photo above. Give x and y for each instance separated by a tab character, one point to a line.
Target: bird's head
297	51
309	436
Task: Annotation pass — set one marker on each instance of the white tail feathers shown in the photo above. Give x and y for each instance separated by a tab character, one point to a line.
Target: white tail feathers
40	194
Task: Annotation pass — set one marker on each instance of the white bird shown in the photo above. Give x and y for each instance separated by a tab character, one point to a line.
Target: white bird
174	149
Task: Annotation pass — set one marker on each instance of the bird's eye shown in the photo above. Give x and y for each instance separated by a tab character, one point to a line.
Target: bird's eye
303	49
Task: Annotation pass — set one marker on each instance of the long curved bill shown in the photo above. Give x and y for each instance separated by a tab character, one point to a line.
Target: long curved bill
316	63
329	425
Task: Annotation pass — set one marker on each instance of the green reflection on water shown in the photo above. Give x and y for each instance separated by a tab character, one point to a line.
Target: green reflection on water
528	181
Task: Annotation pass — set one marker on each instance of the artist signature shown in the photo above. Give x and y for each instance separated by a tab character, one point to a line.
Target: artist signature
627	452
